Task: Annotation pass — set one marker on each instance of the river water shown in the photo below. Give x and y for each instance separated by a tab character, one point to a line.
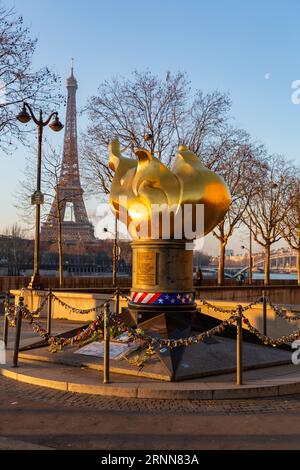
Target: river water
282	276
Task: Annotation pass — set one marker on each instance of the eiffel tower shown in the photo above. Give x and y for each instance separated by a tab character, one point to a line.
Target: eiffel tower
78	229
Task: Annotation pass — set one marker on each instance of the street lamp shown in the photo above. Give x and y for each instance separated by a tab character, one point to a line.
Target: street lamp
116	250
24	116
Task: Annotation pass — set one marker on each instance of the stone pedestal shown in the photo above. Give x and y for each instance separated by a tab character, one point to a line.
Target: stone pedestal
162	278
162	294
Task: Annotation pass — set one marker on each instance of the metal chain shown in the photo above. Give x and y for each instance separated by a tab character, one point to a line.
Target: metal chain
172	343
78	310
267	340
97	324
280	312
37	328
230	311
11	311
10	314
124	296
40	308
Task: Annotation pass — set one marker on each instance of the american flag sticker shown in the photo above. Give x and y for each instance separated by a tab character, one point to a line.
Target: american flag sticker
174	298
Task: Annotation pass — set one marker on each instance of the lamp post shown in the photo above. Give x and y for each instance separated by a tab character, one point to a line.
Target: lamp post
25	115
116	251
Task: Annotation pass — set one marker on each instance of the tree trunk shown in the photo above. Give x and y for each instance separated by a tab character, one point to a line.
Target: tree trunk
59	241
298	265
267	264
221	263
60	255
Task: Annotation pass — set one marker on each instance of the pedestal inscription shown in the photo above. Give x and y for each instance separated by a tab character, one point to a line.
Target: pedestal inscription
146	268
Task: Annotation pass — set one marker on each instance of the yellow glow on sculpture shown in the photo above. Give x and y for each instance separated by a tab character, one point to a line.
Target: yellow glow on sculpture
146	182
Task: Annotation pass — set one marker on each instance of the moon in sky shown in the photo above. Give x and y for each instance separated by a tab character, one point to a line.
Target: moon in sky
267	76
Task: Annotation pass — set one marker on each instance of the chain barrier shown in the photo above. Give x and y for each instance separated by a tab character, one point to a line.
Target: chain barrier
217	309
37	328
252	304
10	314
116	324
11	310
78	310
93	329
267	340
42	332
119	326
281	312
124	296
174	343
40	308
107	324
58	343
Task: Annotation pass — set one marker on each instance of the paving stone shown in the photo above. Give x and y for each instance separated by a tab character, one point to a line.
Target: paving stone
16	391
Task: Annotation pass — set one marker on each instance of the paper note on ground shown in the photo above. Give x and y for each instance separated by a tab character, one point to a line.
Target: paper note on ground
96	349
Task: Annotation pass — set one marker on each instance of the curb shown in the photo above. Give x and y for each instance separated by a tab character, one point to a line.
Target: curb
164	391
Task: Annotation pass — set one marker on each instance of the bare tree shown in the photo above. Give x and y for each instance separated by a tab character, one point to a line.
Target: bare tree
150	112
166	112
291	221
240	162
52	167
18	81
269	206
15	249
51	170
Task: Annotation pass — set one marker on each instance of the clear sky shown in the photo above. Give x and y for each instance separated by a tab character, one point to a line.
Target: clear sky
250	49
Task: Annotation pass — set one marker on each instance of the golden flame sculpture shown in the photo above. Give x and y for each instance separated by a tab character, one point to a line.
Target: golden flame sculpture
141	184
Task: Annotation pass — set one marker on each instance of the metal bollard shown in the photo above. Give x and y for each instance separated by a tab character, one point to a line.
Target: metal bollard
264	301
106	332
49	312
239	347
5	326
18	332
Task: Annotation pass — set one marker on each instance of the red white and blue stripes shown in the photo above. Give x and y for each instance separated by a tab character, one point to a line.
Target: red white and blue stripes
174	298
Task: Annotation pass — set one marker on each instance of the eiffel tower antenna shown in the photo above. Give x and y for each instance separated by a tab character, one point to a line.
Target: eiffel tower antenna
69	186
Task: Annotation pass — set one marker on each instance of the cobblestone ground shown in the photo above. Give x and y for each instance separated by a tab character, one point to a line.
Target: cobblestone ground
64	420
15	391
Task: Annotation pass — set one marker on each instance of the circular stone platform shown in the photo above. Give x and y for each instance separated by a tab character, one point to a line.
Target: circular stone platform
267	382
